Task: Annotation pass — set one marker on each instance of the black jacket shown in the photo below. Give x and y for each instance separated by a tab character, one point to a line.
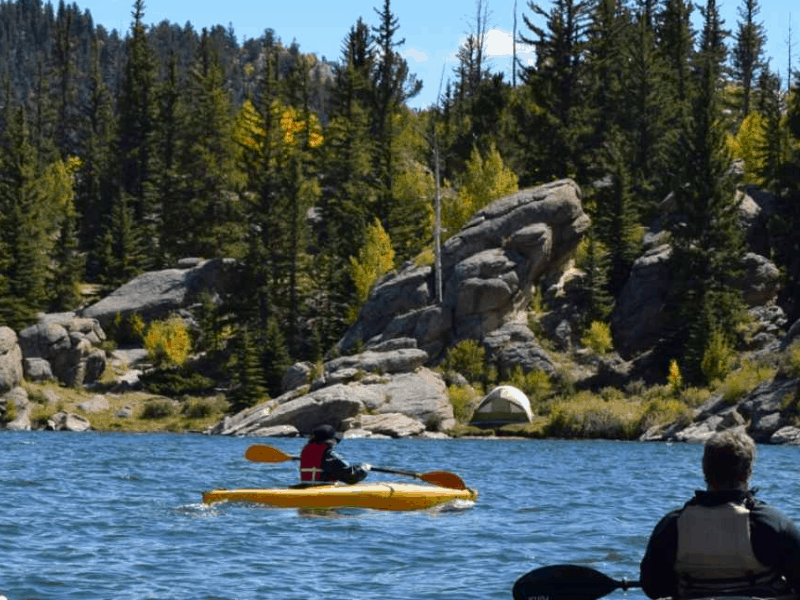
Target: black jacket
334	468
775	540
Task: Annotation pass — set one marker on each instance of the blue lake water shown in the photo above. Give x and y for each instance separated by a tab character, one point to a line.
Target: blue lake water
119	516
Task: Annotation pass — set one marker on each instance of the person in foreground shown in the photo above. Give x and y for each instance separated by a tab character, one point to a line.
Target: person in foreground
723	542
319	462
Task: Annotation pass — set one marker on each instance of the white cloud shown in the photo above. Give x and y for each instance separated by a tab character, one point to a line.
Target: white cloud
416	55
500	43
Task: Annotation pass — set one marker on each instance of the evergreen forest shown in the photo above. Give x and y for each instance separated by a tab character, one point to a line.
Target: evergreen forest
123	152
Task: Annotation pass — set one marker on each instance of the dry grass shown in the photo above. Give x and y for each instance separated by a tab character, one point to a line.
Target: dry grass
192	414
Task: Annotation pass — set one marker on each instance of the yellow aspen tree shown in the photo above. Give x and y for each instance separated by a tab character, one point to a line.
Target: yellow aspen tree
747	145
375	259
486	179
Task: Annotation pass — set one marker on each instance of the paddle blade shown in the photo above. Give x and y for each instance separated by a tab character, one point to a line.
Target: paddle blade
444	479
564	582
267	454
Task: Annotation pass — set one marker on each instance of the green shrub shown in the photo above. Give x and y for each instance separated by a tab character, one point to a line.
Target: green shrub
535	384
200	408
738	383
790	363
695	396
589	416
462	399
598	338
158	409
175	383
468	358
126	329
661	411
718	358
10	411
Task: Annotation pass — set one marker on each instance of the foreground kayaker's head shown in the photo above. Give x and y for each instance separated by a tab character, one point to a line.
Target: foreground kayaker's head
325	433
728	459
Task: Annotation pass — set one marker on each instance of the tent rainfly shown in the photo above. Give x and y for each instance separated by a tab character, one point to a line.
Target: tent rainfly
503	405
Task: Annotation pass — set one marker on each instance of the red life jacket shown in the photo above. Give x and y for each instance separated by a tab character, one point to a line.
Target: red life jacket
311	462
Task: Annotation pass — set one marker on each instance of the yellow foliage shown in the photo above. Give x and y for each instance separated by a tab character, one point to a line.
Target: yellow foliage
249	131
674	377
291	125
598	338
413	185
375	259
746	145
486	179
168	342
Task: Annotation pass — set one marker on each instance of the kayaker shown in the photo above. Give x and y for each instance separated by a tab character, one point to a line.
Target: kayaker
723	542
319	462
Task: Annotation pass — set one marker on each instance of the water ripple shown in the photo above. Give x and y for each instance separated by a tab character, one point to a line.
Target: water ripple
120	516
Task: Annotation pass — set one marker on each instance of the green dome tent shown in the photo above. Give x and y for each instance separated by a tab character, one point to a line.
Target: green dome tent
503	405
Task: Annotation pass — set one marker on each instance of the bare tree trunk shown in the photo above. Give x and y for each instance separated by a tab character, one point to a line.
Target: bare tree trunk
514	49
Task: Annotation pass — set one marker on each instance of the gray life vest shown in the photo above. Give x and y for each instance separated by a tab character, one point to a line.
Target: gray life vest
715	556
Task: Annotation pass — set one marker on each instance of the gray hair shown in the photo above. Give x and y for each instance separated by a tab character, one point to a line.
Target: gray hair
728	459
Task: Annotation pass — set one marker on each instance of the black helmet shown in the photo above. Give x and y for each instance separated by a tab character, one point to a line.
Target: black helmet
324	433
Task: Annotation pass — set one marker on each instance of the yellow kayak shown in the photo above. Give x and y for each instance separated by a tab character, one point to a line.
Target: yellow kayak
380	496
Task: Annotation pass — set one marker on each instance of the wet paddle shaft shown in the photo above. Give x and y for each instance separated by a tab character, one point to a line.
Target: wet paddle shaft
270	454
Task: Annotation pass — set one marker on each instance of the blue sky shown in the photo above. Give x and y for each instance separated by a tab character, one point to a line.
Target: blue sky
433	29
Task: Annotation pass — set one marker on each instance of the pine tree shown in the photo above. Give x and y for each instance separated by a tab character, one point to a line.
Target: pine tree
275	357
67	268
707	240
209	216
94	186
351	188
748	52
64	59
608	32
248	385
647	113
774	142
393	85
120	245
597	302
23	215
676	44
135	138
555	86
302	193
789	186
168	188
616	215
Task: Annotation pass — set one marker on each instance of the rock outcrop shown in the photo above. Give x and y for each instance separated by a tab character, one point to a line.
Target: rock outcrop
768	413
351	393
11	373
64	347
156	294
638	320
488	272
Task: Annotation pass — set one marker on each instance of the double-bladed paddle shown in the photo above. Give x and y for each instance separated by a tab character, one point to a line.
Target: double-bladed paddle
270	454
567	582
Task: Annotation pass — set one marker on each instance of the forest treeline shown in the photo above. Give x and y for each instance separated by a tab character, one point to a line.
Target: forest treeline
121	153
